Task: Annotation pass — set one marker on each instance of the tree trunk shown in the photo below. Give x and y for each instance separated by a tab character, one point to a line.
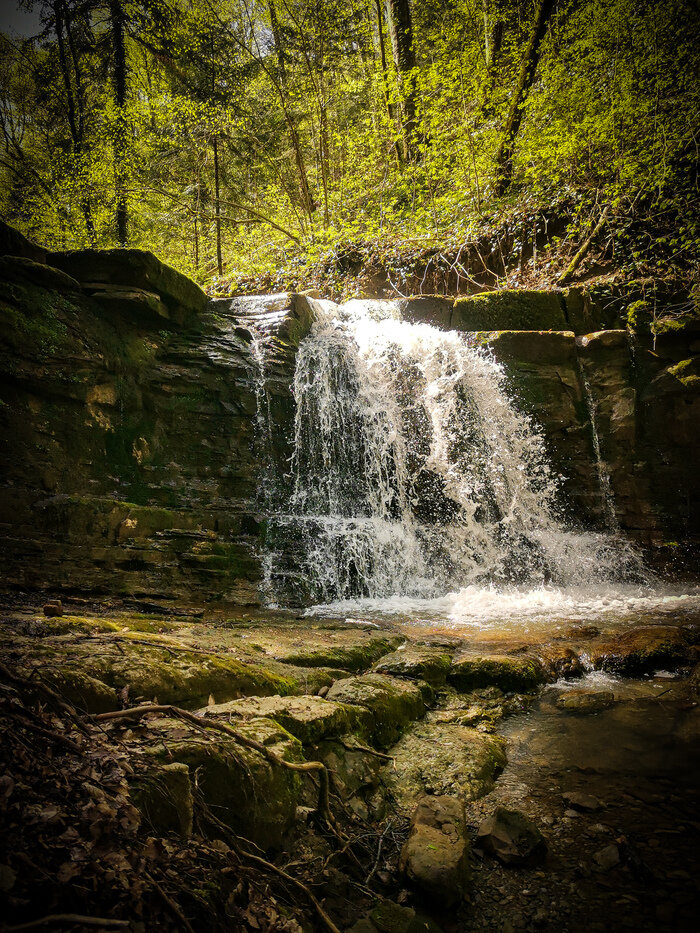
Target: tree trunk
304	188
401	34
217	209
120	139
504	156
386	87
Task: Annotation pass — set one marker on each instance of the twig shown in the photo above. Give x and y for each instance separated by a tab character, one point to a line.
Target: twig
367	751
68	918
307	766
170	904
585	246
34	685
379	851
47	733
283	874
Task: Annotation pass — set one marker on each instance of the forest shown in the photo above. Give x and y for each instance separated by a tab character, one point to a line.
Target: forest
293	143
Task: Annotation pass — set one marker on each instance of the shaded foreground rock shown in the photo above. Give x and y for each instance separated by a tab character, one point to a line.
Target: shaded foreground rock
512	838
585	701
443	759
435	855
163	795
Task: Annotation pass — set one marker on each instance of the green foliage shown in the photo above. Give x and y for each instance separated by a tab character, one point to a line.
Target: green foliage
286	108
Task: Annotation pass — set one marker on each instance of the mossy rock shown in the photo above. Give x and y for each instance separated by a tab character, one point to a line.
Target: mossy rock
27	271
507	672
14	243
393	703
255	797
418	663
181	677
309	719
81	690
686	324
510	309
163	795
642	650
357	657
435	310
388	917
687	372
445	760
299	320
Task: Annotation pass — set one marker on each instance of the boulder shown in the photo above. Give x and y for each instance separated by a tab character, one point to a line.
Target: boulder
417	662
133	269
510	309
444	759
508	672
389	917
81	690
308	718
577	800
642	650
435	856
393	703
512	838
27	271
560	661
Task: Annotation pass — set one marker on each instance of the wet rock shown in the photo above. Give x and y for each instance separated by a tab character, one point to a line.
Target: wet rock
393	703
560	661
445	760
512	838
53	608
585	701
508	672
435	855
389	917
607	857
642	649
310	719
163	795
417	662
587	803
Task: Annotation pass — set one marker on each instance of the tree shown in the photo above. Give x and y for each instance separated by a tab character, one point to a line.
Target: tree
401	34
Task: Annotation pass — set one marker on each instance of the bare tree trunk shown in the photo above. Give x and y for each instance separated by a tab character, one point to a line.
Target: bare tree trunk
504	156
120	138
386	88
217	209
401	34
304	188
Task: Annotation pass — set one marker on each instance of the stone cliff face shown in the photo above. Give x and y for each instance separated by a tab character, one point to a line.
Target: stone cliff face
131	420
128	411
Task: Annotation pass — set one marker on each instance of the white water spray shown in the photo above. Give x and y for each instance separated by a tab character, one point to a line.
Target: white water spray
414	475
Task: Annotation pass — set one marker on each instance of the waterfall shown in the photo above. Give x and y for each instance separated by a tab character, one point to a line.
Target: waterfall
413	473
604	484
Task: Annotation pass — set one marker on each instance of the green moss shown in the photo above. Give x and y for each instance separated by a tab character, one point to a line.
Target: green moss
503	671
83	691
428	664
687	372
393	703
509	310
163	795
357	657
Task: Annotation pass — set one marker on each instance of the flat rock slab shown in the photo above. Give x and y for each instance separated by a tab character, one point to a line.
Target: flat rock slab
642	650
508	672
417	662
393	703
443	759
309	719
349	651
510	309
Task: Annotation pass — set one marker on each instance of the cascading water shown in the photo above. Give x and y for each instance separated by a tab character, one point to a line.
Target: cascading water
414	477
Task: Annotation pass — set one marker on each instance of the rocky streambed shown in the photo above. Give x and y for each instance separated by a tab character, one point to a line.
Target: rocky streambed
263	771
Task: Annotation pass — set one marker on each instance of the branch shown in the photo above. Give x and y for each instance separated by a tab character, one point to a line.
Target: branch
138	712
585	246
68	918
